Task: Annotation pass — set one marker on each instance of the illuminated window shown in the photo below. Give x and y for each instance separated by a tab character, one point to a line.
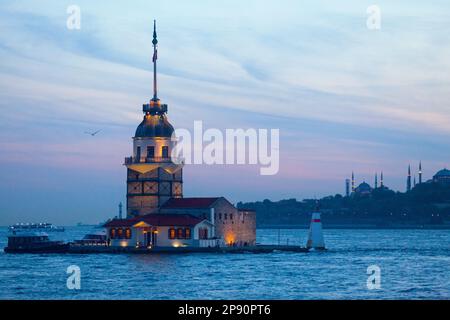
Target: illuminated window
187	233
112	233
171	233
180	233
128	233
120	233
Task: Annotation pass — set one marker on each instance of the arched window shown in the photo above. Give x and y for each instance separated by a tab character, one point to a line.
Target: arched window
180	233
120	233
187	233
112	233
165	151
171	233
128	233
138	154
203	233
150	151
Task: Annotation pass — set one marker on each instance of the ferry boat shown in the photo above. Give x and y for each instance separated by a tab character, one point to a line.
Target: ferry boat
38	227
97	238
33	242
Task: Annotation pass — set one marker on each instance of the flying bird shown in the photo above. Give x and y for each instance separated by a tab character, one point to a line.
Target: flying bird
92	133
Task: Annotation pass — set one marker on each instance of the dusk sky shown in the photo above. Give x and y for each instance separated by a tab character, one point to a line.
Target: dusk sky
343	96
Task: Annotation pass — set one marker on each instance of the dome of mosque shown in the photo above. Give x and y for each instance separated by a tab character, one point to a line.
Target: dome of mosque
443	173
364	188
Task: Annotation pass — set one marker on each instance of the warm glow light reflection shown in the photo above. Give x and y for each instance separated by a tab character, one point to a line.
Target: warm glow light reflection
230	238
177	244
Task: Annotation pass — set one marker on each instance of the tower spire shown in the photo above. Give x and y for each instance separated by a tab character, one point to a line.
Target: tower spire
381	180
376	180
155	57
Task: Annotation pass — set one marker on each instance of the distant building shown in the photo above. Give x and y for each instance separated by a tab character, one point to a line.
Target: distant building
364	188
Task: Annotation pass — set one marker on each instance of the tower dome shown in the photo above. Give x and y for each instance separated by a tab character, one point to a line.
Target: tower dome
154	126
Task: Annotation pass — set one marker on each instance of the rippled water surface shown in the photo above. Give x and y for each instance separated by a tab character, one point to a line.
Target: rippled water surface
415	264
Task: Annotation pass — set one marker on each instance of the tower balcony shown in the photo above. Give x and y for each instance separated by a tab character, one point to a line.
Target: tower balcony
136	160
154	107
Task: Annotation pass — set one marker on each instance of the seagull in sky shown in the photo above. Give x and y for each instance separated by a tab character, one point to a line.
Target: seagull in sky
92	133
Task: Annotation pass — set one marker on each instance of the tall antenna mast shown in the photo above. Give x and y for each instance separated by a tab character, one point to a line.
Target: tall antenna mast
155	57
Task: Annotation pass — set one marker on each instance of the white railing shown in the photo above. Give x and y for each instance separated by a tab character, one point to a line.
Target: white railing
205	243
132	160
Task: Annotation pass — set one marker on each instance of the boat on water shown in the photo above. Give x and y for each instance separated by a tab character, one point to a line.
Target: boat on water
97	238
38	227
33	242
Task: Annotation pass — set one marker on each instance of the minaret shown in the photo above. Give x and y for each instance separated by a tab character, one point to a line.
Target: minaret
120	210
353	182
347	187
420	172
381	180
414	183
153	175
408	180
376	180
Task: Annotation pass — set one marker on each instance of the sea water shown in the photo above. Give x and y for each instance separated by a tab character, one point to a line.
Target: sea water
412	264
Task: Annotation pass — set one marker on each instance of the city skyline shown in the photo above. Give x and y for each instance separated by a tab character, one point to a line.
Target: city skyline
235	66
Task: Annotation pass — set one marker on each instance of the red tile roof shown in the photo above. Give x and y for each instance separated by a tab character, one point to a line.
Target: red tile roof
180	203
157	220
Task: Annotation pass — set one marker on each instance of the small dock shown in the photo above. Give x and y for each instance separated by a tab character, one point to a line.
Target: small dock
175	250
